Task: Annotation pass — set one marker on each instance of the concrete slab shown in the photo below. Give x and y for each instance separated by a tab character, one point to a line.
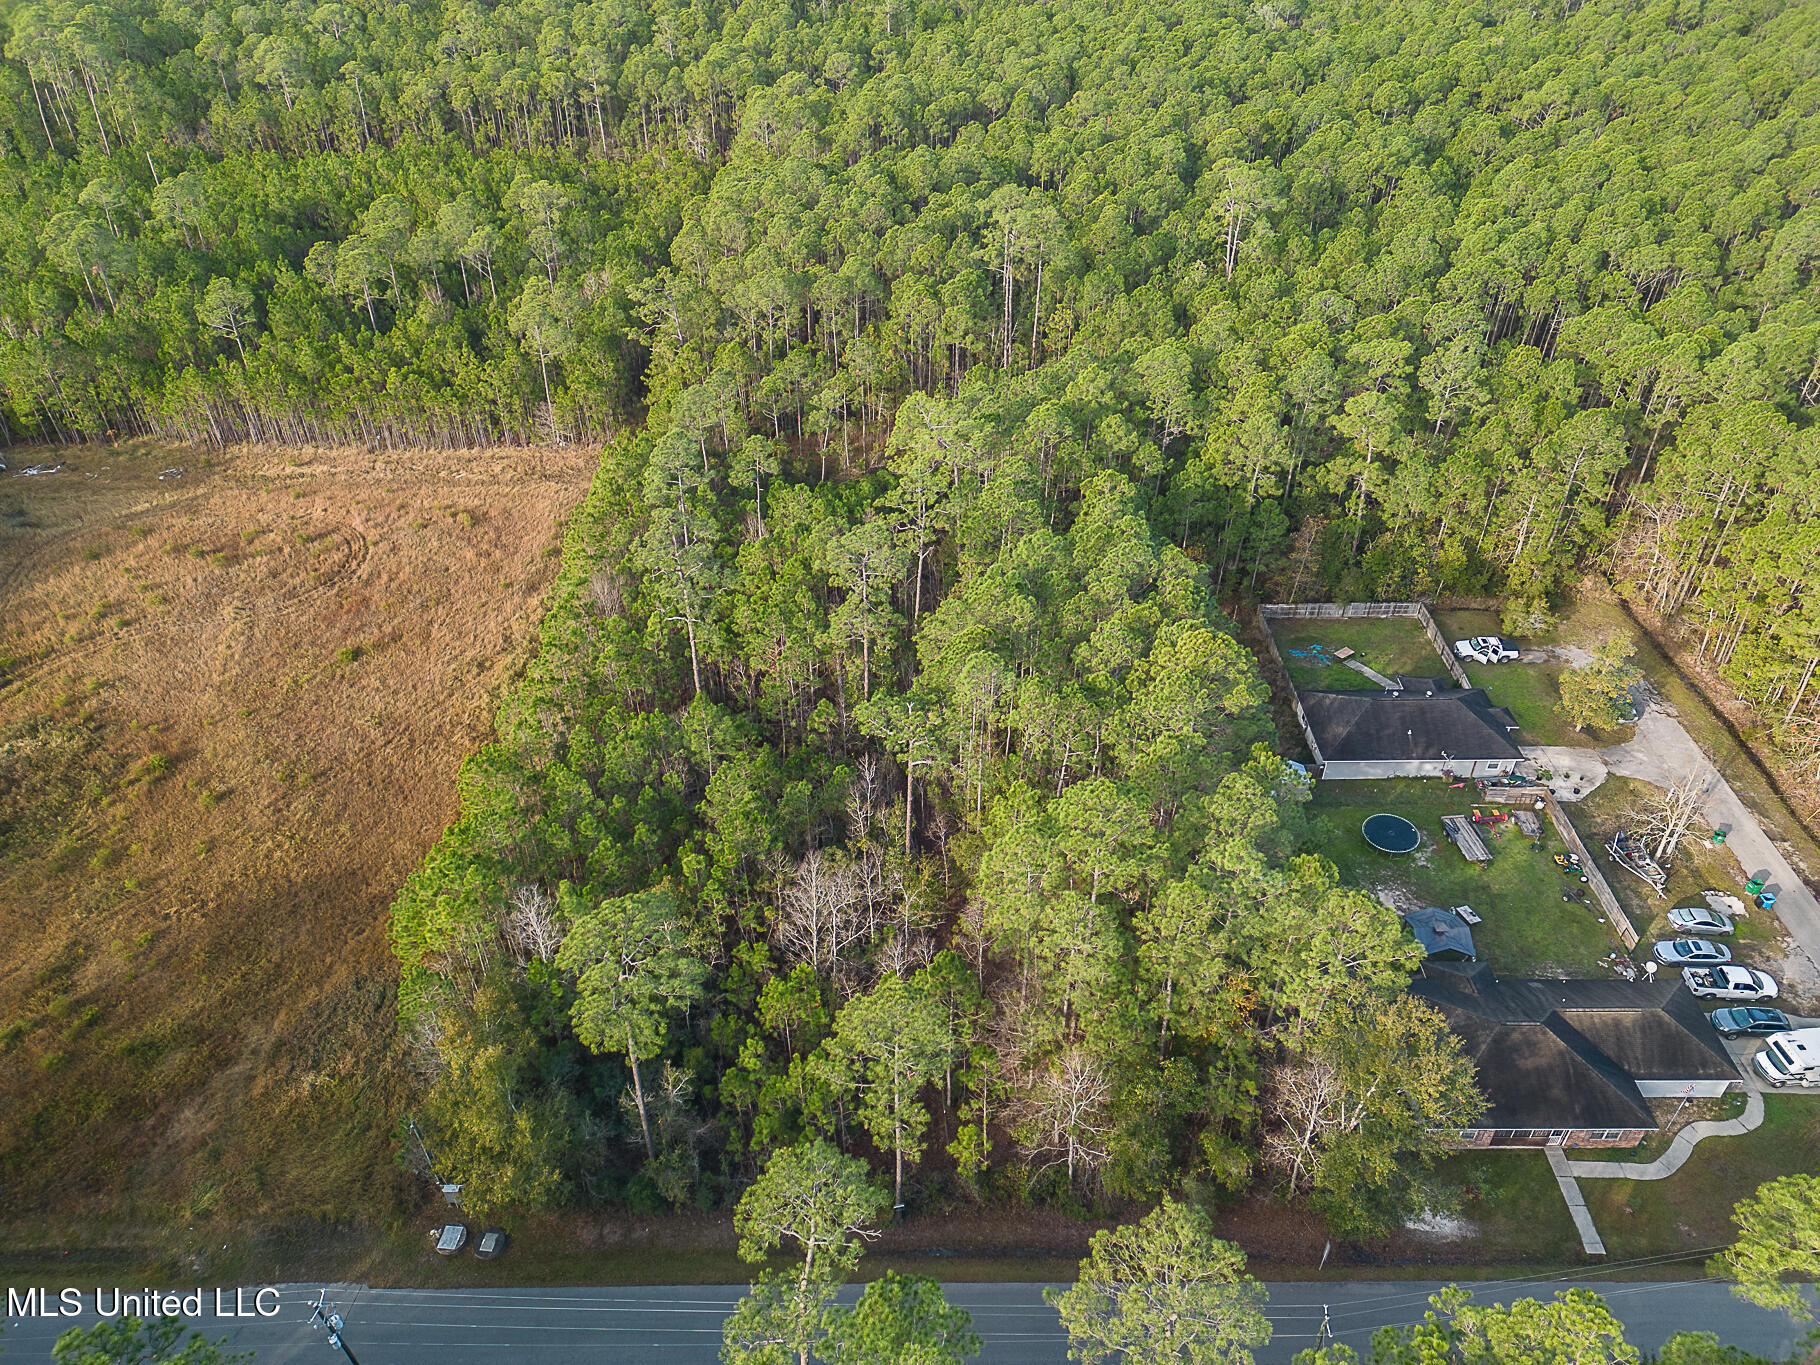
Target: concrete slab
1371	673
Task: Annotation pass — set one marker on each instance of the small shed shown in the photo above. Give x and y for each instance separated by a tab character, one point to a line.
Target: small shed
1442	935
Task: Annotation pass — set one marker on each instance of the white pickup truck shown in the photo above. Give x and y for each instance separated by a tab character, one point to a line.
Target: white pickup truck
1486	649
1730	982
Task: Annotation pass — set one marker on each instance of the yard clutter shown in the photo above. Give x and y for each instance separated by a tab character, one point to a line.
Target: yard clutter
1726	905
1630	853
1466	838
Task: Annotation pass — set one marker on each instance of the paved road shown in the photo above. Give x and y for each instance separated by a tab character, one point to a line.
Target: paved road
681	1326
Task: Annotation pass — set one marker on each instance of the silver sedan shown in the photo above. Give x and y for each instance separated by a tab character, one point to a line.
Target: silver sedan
1700	919
1692	952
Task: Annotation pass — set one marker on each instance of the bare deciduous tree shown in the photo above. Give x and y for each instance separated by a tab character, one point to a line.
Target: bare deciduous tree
1663	817
865	796
905	951
1309	1101
822	913
533	931
1064	1118
971	933
608	591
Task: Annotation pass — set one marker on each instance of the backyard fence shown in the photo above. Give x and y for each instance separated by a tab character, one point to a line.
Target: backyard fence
1270	643
1362	611
1614	913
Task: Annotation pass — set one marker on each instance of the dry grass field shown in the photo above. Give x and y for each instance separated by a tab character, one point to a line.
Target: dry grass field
232	709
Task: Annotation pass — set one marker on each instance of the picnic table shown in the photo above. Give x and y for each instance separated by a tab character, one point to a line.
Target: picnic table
1529	823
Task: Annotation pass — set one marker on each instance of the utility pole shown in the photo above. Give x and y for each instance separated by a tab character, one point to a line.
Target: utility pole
424	1147
323	1314
451	1192
1325	1335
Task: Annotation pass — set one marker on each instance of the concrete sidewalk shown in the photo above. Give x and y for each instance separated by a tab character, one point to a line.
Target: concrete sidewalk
1590	1240
1678	1151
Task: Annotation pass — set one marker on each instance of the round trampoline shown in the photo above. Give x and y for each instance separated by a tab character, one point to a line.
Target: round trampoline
1391	834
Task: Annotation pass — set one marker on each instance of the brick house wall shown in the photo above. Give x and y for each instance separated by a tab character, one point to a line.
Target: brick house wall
1543	1137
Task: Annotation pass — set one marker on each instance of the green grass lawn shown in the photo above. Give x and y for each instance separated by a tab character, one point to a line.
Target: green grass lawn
1528	929
1692	1208
1518	1207
1531	687
1392	646
1514	1199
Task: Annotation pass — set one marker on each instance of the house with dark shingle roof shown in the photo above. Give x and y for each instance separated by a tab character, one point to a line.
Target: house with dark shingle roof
1575	1063
1418	730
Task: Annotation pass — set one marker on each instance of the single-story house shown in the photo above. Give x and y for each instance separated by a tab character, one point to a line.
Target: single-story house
1410	732
1575	1063
1441	933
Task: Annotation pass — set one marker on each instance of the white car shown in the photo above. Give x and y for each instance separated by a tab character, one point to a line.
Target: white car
1485	649
1729	982
1700	919
1692	952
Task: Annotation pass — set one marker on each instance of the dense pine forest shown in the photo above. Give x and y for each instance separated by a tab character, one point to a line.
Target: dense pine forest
890	771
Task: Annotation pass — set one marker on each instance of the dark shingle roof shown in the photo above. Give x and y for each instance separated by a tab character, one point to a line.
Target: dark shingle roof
1569	1054
1367	727
1407	682
1440	931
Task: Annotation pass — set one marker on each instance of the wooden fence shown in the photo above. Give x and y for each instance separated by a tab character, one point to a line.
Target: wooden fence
1364	611
1614	913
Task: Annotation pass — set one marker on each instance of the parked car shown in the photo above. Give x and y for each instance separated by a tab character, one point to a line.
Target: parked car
1700	919
492	1243
1749	1022
450	1238
1486	649
1692	952
1791	1057
1730	983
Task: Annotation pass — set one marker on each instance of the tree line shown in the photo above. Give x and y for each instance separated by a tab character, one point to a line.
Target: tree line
1444	297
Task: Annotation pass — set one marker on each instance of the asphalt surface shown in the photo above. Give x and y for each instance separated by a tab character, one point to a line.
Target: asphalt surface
681	1325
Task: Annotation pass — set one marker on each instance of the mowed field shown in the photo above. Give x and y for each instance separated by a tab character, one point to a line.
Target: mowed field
232	710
